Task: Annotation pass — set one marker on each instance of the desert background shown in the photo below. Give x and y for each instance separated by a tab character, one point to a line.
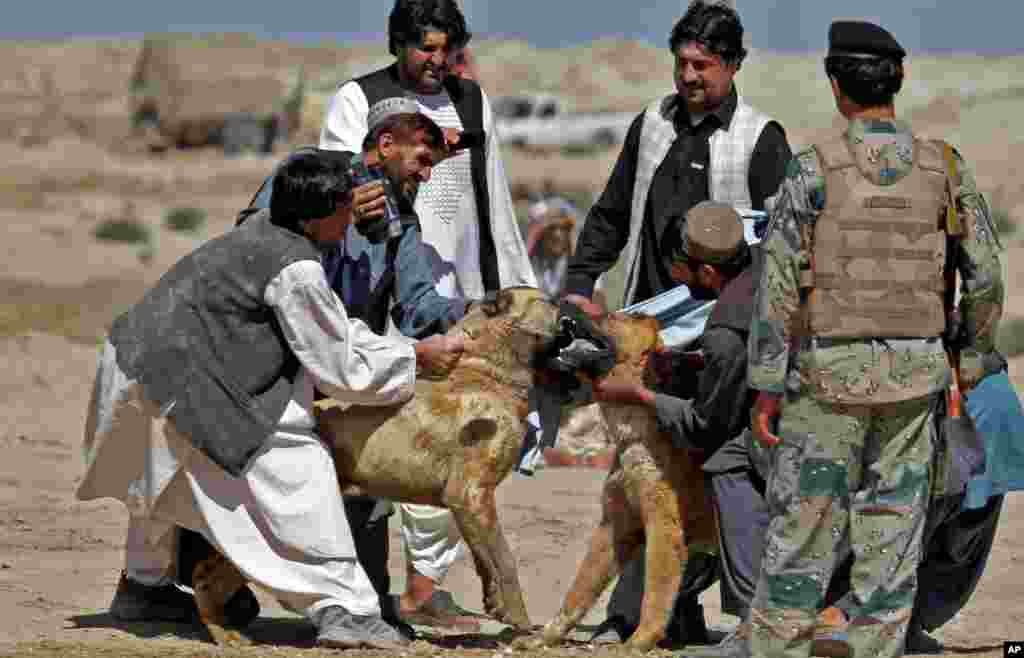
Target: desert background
74	175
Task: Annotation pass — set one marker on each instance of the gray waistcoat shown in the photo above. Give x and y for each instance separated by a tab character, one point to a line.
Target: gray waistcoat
206	347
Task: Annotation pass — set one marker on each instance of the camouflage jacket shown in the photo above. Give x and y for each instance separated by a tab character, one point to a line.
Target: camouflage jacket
851	369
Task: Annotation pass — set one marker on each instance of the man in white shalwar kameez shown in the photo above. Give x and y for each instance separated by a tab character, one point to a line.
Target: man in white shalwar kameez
201	414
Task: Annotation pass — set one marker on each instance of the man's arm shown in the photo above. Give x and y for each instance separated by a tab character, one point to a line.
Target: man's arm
777	300
419	310
976	257
768	164
345	358
345	120
514	268
606	229
718	412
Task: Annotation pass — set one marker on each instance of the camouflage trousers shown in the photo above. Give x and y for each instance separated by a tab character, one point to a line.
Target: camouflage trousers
844	478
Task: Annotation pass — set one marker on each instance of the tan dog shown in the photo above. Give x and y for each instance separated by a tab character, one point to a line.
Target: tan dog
654	492
450	446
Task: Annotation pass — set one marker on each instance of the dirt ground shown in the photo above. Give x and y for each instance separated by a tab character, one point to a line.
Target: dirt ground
59	287
59	559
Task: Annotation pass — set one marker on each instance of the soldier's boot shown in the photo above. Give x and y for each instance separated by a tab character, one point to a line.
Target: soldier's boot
831	634
919	643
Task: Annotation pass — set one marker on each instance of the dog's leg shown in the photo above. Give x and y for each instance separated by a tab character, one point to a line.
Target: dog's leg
214	580
613	543
665	554
477	520
469	494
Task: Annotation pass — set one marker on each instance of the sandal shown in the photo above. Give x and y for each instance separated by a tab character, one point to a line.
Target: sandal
441	611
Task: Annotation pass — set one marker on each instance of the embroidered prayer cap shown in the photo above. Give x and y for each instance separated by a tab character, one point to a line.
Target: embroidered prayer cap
712	233
389	107
862	39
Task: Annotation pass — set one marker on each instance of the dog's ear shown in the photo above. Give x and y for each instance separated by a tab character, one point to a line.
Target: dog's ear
477	431
496	302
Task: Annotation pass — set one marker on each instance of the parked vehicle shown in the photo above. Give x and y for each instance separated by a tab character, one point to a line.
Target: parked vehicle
543	120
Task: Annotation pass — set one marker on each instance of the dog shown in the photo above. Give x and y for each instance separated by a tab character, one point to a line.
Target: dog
450	446
653	498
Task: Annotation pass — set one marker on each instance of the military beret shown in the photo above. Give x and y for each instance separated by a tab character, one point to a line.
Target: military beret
712	233
389	107
862	39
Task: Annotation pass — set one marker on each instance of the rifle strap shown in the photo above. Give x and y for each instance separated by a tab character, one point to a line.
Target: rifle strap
954	231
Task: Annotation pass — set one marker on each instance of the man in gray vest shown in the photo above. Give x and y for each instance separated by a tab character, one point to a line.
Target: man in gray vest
472	238
703	142
851	304
201	415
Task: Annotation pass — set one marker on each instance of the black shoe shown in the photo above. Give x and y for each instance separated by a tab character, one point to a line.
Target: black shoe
687	626
389	613
613	629
242	608
135	601
919	643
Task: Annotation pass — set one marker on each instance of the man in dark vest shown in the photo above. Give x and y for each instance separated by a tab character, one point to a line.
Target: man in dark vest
707	252
473	241
201	414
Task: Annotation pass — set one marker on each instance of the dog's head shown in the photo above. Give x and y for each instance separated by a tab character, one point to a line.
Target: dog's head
634	335
510	327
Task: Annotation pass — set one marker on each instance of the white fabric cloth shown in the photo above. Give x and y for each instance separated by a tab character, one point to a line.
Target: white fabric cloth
446	204
283	524
431	540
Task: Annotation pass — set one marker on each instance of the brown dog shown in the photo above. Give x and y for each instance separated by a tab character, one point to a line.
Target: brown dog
654	493
450	446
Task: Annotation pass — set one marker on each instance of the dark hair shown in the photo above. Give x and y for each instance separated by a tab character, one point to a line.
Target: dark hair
716	27
307	187
729	270
404	127
409	20
867	81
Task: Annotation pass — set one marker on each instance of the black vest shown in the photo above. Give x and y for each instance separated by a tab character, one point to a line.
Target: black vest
208	350
468	101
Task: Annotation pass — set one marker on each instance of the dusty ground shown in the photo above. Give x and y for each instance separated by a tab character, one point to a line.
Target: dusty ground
59	286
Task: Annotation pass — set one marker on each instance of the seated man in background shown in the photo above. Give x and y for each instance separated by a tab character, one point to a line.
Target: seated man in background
202	411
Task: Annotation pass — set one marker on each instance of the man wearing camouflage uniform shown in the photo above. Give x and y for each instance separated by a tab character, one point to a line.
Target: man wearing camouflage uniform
852	289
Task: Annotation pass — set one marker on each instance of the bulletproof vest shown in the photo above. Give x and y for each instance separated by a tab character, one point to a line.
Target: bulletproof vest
876	265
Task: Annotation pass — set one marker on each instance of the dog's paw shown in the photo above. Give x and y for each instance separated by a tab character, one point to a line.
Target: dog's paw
226	637
529	643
